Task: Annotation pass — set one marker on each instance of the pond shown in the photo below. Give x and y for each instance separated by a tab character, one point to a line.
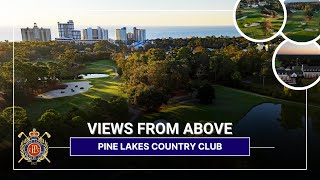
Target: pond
281	126
92	76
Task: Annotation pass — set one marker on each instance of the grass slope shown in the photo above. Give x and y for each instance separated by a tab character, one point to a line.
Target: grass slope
295	27
230	106
255	16
102	88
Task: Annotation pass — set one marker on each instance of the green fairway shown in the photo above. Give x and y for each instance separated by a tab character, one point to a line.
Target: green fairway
101	66
307	82
230	106
254	16
278	63
102	87
301	30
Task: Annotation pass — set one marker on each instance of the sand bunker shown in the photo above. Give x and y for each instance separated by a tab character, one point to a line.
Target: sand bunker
311	29
93	76
73	88
244	17
252	25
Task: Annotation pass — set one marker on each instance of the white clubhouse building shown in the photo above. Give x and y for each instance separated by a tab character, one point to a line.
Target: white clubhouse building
290	75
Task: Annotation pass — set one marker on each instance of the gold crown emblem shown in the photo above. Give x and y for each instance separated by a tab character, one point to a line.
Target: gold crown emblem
34	148
34	133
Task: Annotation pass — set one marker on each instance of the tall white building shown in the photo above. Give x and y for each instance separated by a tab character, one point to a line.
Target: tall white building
76	34
142	35
95	34
121	34
67	31
130	36
103	33
139	35
36	34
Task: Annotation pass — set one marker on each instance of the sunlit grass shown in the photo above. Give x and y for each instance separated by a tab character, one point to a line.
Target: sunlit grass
297	24
230	106
255	16
102	88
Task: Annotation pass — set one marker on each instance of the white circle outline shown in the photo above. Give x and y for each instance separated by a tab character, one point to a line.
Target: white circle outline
263	40
300	43
280	80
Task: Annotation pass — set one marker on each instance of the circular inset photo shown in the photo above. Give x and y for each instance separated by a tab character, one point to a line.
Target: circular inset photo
260	21
303	22
297	67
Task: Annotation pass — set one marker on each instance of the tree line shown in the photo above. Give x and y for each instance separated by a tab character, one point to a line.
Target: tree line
42	65
153	75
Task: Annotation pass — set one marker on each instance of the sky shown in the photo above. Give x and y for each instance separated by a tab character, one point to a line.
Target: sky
105	13
291	49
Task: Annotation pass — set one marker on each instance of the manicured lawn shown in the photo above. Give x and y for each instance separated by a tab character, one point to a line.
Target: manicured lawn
254	16
307	82
278	63
314	96
230	106
101	66
297	24
102	88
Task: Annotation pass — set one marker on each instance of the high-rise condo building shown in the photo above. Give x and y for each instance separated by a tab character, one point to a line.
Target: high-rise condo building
66	31
121	34
142	36
95	34
130	36
36	34
135	33
103	33
139	35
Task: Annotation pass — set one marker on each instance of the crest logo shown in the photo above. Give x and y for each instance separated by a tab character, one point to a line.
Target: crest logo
34	148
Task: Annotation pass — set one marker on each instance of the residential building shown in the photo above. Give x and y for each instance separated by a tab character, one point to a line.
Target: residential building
289	75
36	34
137	45
135	33
65	40
76	34
311	72
67	31
262	46
139	34
142	35
95	34
121	34
262	4
130	36
103	33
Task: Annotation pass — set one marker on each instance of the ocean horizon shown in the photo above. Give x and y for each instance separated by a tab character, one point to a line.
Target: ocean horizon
153	32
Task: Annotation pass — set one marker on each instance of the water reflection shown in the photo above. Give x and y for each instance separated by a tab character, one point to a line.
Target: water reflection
281	126
292	117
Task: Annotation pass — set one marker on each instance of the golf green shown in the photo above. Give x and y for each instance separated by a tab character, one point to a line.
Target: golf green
299	29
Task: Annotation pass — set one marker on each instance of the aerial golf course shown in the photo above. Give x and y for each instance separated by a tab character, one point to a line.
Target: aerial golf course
257	25
300	29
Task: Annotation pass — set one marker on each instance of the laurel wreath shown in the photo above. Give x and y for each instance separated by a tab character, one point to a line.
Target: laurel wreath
22	151
46	149
24	154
